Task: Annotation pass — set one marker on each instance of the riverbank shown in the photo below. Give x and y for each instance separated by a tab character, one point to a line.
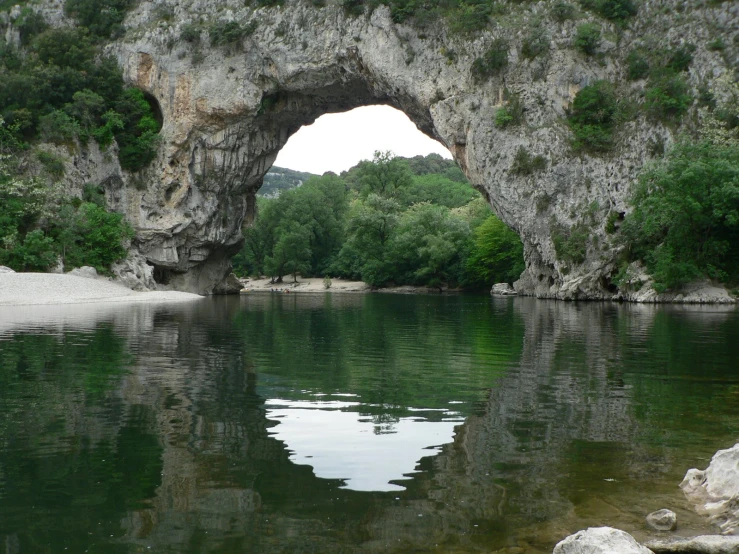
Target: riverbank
45	289
316	284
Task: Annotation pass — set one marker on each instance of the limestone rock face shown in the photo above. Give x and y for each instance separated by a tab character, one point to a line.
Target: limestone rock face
600	540
228	110
662	520
715	491
135	273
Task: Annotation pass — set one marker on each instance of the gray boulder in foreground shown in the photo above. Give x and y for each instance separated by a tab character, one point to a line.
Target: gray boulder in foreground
715	491
662	520
600	540
4	269
707	544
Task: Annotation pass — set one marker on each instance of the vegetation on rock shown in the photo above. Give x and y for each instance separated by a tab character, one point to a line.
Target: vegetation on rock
39	227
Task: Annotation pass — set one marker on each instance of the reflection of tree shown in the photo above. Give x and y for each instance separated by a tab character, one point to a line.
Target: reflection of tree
73	457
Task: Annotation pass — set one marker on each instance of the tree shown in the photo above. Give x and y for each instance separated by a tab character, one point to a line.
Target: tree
384	175
291	254
496	255
369	228
685	223
429	245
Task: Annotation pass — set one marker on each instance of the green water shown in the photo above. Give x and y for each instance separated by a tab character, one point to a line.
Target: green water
354	423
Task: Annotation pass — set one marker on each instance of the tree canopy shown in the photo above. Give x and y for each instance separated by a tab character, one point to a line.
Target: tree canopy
388	220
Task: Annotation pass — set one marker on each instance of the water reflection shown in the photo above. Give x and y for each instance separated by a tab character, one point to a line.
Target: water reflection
368	455
354	423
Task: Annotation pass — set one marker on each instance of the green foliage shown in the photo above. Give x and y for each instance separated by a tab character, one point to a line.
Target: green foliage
681	58
571	245
535	43
30	23
138	137
355	8
717	45
229	33
191	33
62	90
525	164
562	11
103	18
496	255
637	65
37	227
385	221
593	117
385	175
492	62
615	10
470	17
587	38
436	189
53	164
511	113
58	127
668	96
685	222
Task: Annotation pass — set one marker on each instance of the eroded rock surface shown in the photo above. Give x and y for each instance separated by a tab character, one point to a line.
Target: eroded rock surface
600	540
228	110
707	544
715	491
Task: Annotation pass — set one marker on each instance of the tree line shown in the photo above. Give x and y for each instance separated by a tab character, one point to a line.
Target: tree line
387	221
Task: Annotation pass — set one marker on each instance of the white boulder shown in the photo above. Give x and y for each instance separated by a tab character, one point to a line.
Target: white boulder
715	491
600	540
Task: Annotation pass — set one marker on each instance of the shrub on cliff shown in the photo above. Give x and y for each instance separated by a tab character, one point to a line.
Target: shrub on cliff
587	38
668	96
103	18
593	117
492	62
615	10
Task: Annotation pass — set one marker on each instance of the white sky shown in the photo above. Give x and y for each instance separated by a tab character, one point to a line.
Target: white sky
336	142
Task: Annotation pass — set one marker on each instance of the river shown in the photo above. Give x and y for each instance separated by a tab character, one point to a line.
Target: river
355	422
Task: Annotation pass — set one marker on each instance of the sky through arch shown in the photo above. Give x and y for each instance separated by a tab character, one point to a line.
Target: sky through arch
336	142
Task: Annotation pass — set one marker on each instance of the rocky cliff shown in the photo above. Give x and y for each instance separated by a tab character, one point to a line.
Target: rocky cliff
228	106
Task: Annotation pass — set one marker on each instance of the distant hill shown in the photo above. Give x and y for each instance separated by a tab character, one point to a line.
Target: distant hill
279	179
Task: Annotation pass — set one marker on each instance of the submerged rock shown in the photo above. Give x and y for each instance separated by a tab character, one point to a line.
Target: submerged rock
707	544
662	520
600	540
715	491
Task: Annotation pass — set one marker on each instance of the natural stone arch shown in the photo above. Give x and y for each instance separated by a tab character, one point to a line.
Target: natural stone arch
228	111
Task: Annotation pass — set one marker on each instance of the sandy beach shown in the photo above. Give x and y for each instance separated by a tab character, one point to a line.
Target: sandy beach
308	284
36	289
